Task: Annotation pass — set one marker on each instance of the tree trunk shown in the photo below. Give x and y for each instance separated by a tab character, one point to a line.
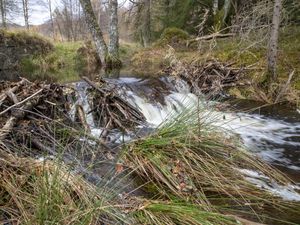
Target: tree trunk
2	8
25	13
113	47
273	41
226	7
51	19
95	30
146	27
215	7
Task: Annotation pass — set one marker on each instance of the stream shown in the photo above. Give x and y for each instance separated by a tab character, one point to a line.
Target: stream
271	132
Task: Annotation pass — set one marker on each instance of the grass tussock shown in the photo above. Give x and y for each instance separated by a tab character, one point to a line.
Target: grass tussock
191	159
171	213
44	192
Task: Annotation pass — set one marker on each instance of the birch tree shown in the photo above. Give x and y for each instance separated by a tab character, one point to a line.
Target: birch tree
51	18
3	13
146	26
273	41
215	7
95	30
25	13
113	47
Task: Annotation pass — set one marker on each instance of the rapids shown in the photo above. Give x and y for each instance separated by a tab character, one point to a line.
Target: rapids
273	136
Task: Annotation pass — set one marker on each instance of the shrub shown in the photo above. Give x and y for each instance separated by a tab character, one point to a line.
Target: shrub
173	36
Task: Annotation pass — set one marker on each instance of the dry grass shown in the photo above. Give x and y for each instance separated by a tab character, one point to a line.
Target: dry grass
45	192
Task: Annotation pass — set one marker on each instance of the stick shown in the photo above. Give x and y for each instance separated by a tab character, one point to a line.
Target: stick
22	102
81	116
15	88
211	36
285	87
11	122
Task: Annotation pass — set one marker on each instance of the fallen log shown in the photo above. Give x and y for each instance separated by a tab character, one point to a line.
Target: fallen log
210	37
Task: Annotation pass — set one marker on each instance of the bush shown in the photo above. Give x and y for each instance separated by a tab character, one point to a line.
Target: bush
173	36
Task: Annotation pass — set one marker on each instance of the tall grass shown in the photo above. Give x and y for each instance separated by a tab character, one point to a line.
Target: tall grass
169	213
190	158
46	192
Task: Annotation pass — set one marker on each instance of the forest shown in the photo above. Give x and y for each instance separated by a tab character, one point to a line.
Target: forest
168	112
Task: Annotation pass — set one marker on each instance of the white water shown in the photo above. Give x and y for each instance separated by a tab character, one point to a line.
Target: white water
259	134
264	136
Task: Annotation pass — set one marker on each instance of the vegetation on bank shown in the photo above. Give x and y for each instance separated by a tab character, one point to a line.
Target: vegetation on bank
70	60
189	160
29	42
66	61
46	192
15	46
242	51
187	171
60	65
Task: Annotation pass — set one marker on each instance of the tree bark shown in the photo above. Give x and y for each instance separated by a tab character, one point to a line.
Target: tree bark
2	10
215	6
51	18
273	41
226	7
146	27
95	30
25	13
113	47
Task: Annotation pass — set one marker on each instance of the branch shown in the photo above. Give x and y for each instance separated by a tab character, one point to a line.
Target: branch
22	102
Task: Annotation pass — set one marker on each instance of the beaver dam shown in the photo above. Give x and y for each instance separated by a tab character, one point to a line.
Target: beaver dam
144	151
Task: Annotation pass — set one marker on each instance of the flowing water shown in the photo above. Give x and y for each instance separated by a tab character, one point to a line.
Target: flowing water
273	133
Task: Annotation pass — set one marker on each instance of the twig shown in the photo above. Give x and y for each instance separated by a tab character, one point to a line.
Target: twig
285	87
22	102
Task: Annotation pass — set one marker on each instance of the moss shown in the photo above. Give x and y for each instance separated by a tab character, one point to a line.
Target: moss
32	42
173	36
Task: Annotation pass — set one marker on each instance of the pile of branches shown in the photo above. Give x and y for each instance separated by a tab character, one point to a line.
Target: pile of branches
36	122
26	101
36	115
111	111
210	77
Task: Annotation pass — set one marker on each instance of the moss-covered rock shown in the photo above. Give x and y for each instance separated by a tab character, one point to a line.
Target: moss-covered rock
173	36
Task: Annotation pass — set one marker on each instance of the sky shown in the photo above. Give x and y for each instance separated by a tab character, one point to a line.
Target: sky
39	12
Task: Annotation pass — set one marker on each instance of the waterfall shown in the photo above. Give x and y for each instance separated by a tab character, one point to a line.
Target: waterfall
274	140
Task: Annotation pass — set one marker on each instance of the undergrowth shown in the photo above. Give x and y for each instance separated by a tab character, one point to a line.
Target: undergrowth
247	52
